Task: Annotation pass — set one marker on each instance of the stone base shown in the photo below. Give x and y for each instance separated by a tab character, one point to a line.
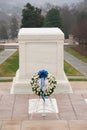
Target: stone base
22	86
38	106
63	86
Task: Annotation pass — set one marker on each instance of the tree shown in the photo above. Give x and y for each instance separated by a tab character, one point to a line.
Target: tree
66	19
69	19
13	27
31	17
80	31
53	18
3	31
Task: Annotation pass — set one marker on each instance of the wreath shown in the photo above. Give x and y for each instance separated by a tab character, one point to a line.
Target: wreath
39	85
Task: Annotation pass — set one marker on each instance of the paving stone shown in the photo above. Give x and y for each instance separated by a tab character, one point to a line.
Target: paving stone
45	125
11	125
0	97
76	97
6	107
71	107
7	101
5	114
65	107
33	96
45	116
79	87
84	96
79	105
78	125
0	125
5	88
20	110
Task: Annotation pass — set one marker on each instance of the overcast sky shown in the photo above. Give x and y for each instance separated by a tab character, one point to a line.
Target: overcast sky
42	2
55	2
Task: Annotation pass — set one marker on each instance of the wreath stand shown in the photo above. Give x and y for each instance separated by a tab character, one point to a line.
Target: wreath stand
38	88
43	110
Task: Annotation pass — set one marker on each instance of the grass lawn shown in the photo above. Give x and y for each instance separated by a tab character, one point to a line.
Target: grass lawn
6	80
76	54
1	49
9	67
77	79
71	71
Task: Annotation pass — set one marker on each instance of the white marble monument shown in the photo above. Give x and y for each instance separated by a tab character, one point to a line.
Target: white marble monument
40	48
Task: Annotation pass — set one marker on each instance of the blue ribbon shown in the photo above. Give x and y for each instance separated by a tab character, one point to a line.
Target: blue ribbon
42	74
42	83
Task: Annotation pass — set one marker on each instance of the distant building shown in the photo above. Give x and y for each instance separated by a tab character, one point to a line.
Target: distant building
70	41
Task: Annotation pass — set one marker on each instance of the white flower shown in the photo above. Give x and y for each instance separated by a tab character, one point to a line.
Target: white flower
48	89
37	93
38	89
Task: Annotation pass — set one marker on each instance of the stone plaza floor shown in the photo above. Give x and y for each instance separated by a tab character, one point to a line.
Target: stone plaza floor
72	110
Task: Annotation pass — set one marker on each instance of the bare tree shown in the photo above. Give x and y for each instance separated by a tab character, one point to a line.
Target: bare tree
3	30
80	30
14	27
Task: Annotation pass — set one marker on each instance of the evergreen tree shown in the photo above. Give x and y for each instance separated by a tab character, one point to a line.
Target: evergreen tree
53	19
31	17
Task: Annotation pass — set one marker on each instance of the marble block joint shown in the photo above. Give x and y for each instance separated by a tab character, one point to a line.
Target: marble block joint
40	48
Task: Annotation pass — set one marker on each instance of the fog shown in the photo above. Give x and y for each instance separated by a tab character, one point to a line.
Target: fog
40	2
